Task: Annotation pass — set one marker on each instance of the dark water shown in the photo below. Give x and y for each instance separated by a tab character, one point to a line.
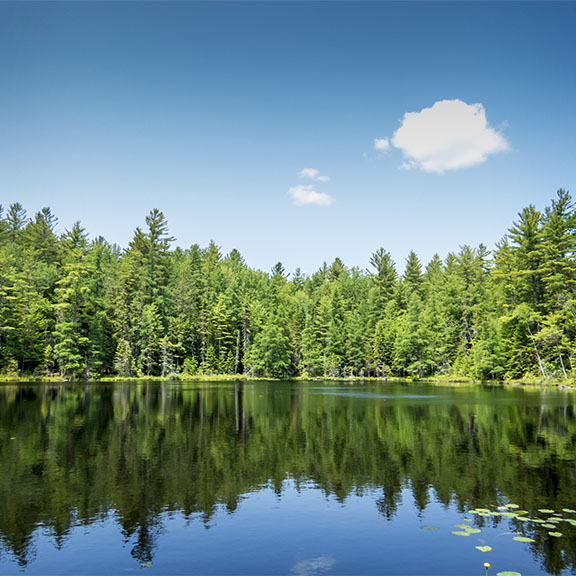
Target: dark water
285	478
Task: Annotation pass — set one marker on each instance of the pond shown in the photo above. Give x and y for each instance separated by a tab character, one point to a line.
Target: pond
302	478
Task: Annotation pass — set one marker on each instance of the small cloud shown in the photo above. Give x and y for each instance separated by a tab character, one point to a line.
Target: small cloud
303	195
382	144
450	135
311	173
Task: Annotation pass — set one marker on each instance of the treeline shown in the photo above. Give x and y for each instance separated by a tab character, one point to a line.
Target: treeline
85	308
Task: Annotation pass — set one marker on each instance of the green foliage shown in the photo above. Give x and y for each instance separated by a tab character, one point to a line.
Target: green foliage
84	308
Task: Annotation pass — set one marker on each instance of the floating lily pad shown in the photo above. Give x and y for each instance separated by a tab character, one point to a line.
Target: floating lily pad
146	564
482	510
548	525
569	510
483	548
429	528
545	511
462	533
468	520
555	519
509	514
523	539
508	573
473	530
555	534
462	526
513	506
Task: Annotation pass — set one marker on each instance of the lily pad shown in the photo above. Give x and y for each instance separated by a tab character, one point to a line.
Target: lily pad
509	514
569	510
545	511
473	530
429	528
146	564
523	539
513	506
548	525
555	534
483	548
462	533
462	526
508	573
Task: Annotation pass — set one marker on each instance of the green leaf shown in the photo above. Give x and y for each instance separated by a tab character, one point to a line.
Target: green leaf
461	533
569	510
429	528
508	573
483	548
555	534
146	564
545	511
548	525
523	539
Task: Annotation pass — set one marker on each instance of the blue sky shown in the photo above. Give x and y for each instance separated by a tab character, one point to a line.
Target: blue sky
280	128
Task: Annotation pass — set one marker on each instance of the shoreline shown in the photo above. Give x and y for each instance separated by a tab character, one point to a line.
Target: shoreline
563	384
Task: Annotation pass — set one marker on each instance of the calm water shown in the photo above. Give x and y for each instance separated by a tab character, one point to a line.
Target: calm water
286	478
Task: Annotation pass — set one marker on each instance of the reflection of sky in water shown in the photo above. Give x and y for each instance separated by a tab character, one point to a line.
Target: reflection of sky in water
300	531
313	566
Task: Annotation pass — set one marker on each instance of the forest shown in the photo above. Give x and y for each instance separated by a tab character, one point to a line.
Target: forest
76	307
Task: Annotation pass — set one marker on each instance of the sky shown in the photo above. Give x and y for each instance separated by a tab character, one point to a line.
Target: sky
293	131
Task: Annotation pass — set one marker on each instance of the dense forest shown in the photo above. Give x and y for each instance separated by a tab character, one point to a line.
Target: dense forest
80	308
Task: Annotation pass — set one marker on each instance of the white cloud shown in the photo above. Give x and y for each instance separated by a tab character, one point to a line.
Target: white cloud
382	144
313	174
309	173
303	195
448	136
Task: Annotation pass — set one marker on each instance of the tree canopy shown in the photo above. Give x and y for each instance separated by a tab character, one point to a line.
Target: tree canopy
82	308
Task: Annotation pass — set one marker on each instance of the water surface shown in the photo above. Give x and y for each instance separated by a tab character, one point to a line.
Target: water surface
285	478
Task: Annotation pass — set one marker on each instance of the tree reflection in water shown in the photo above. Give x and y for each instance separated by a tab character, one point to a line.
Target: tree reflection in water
71	454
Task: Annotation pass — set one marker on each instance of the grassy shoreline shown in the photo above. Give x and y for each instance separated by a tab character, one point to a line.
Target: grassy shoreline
565	384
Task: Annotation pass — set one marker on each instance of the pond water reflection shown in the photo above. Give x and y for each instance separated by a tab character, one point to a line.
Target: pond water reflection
290	477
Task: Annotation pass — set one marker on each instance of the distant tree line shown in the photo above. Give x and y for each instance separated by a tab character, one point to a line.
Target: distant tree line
85	308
